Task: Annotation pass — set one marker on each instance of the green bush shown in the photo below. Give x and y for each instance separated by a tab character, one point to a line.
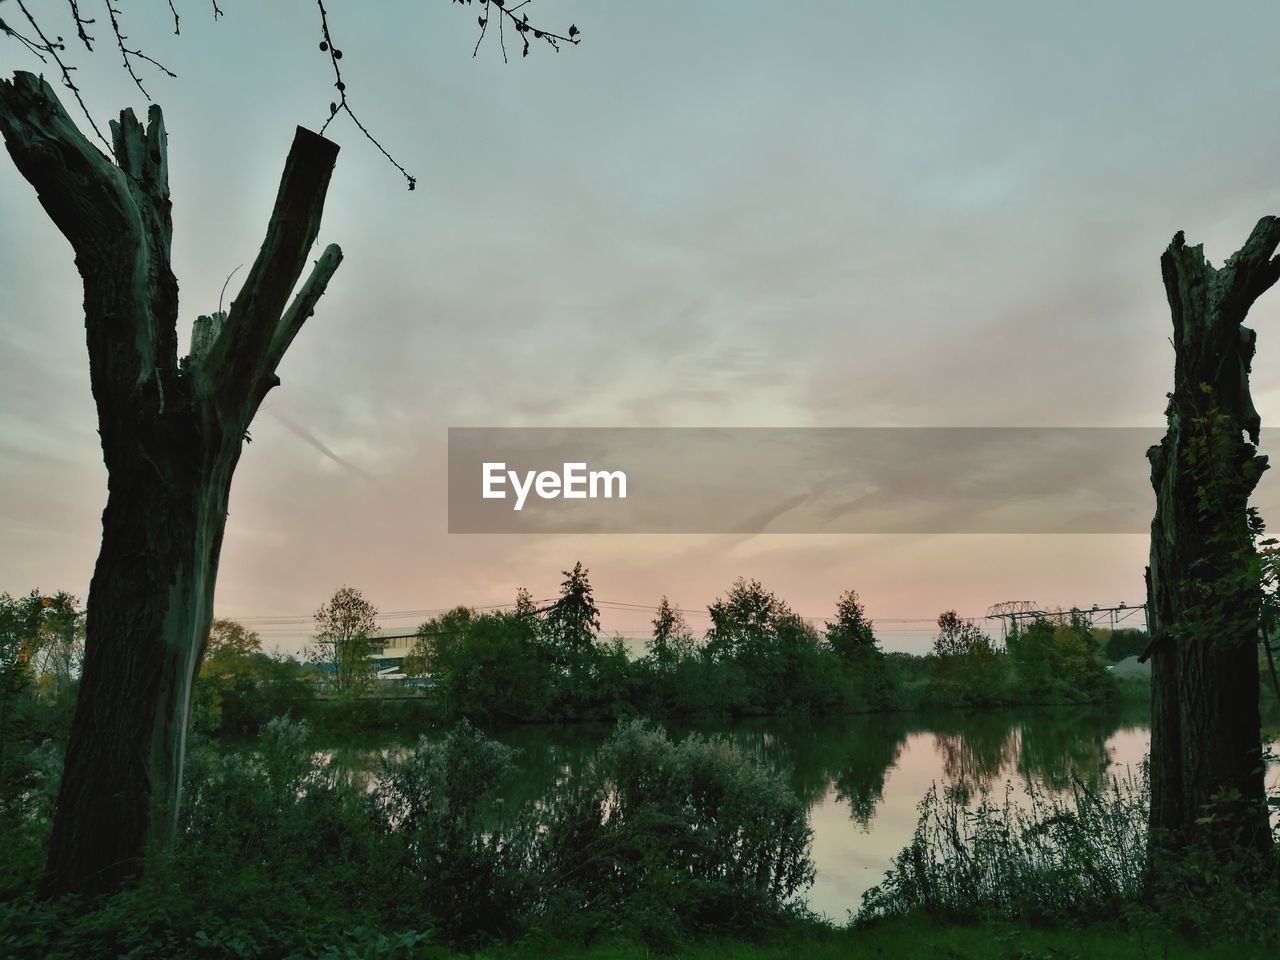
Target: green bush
662	838
1124	642
980	679
1058	660
281	853
438	813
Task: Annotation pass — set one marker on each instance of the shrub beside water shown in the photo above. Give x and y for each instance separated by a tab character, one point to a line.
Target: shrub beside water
282	853
661	840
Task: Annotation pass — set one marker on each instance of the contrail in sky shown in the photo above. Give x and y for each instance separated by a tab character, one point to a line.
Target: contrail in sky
306	435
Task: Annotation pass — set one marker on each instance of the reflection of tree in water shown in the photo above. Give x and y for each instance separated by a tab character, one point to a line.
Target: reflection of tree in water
1060	749
850	755
549	756
1055	748
974	753
546	759
795	748
864	761
350	765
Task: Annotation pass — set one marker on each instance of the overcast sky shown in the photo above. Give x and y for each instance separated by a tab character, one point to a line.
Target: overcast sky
708	214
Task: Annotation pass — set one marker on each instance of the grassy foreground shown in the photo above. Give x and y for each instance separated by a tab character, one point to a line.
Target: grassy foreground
911	938
659	848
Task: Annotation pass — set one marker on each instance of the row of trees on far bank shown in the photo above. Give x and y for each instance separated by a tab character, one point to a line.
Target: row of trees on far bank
530	663
1053	658
756	656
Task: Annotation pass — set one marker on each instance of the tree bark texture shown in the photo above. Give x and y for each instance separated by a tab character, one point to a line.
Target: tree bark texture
1202	589
172	430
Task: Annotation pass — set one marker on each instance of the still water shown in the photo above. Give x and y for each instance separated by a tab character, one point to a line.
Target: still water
860	777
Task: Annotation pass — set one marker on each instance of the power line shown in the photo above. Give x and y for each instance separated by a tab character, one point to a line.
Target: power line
280	625
292	627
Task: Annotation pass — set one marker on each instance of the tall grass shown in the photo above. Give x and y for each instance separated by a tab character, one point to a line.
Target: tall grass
1041	857
1075	858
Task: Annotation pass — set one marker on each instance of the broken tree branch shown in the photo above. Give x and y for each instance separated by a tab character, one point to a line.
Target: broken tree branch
241	357
103	214
304	303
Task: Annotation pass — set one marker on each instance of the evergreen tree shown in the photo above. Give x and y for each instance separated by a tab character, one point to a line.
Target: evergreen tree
573	622
672	641
851	633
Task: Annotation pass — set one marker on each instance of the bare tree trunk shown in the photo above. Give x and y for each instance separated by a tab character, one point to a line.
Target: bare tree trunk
150	607
172	431
1202	587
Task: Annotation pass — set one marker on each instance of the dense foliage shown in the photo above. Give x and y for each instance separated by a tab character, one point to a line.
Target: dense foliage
1058	660
757	657
287	851
657	840
239	688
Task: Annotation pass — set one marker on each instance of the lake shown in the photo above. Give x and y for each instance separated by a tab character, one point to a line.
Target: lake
861	777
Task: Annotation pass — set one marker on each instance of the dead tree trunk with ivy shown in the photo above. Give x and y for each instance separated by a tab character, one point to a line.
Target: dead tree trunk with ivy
1202	584
172	431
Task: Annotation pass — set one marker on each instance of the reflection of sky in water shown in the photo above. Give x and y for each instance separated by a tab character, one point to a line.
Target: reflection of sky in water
849	860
